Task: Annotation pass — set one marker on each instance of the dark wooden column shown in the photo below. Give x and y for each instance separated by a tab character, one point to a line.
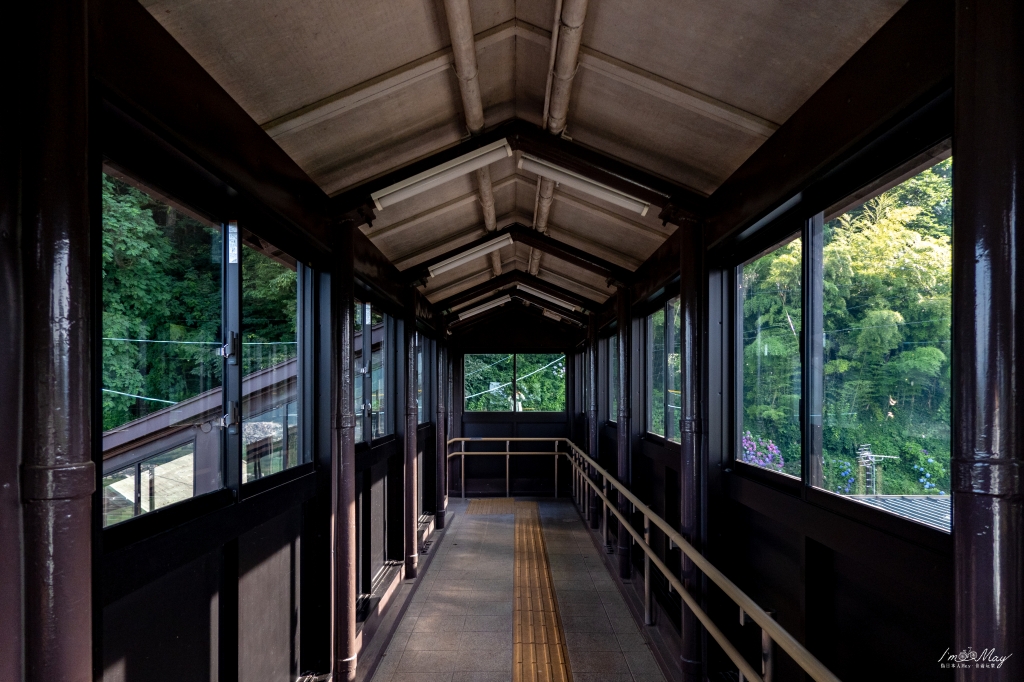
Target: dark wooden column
343	460
690	432
988	333
593	432
440	433
57	474
11	346
623	311
411	418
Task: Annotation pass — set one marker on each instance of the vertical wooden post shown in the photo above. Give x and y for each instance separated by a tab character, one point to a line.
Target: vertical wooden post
623	311
690	337
411	418
58	476
988	333
343	462
593	433
440	436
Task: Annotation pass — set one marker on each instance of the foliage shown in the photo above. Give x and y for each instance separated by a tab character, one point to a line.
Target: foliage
761	452
539	382
162	306
887	277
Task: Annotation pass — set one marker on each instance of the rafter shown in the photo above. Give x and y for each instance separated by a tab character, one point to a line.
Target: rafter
523	235
515	277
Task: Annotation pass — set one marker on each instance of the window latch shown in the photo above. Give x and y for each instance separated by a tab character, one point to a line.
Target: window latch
230	420
230	349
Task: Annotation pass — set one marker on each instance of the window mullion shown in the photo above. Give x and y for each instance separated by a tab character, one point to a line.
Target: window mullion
232	306
812	370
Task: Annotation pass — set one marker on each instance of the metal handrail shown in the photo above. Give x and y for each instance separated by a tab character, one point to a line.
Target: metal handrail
507	452
804	658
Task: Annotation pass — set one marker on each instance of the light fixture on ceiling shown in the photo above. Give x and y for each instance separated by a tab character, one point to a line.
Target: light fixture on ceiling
548	297
471	254
486	306
554	316
428	179
576	181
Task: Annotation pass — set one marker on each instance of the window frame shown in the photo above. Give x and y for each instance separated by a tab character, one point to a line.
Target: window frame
803	221
566	357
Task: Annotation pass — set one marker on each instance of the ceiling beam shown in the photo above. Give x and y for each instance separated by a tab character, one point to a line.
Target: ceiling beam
524	235
656	86
429	214
524	136
509	279
414	258
459	325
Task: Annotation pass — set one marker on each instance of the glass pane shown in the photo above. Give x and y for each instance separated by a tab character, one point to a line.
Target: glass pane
269	359
263	444
420	406
613	378
119	496
167	478
674	379
771	298
540	383
656	370
886	416
161	292
359	316
378	370
487	382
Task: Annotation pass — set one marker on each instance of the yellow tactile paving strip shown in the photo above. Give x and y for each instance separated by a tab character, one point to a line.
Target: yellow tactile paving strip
491	505
538	650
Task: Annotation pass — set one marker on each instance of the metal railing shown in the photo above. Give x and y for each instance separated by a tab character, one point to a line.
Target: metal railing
507	452
583	482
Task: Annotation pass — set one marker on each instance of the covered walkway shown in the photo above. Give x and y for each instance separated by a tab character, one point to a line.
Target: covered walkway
517	587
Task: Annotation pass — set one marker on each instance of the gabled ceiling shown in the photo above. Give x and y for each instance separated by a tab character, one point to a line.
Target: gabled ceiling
684	91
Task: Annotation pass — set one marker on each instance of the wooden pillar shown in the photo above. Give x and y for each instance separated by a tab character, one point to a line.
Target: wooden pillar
411	419
441	436
343	461
690	432
593	430
58	476
988	333
623	311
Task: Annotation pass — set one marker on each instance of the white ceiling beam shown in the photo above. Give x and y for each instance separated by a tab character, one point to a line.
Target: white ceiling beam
383	85
575	285
446	243
457	202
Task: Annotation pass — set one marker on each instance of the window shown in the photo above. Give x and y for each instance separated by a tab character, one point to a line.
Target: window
514	382
421	404
359	315
161	370
269	361
886	292
770	301
540	382
663	367
379	413
149	484
613	378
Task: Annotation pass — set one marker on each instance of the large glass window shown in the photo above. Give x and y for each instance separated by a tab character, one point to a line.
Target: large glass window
359	316
886	292
379	413
161	370
269	361
514	382
540	382
421	404
770	299
487	381
662	360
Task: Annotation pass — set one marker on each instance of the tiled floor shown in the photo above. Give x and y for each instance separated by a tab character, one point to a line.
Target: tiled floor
458	626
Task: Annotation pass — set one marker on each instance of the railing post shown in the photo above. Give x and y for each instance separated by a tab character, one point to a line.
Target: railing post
556	476
604	510
507	479
462	470
648	618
